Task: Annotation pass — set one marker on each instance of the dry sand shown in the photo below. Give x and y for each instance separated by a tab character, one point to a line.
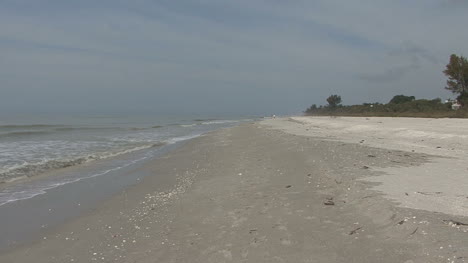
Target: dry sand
283	190
440	185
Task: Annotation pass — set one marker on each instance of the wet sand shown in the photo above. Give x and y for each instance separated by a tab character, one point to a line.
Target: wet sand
281	190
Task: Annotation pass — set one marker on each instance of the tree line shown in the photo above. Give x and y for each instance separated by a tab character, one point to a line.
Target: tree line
400	105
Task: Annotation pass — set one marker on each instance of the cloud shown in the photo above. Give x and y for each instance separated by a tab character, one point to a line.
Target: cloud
392	74
414	52
408	57
302	50
455	3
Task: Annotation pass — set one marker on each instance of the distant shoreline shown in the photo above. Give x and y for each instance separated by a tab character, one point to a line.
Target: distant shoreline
460	114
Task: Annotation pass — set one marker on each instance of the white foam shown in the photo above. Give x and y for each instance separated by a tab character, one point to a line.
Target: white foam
220	122
182	138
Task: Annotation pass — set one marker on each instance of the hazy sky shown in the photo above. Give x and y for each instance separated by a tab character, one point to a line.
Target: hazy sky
223	56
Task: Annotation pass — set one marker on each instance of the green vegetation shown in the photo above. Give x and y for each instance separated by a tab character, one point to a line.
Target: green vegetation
408	106
457	73
399	99
412	108
333	101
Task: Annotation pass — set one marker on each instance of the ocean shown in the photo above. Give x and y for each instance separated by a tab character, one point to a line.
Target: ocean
32	146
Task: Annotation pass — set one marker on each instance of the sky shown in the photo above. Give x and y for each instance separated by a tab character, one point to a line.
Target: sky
223	56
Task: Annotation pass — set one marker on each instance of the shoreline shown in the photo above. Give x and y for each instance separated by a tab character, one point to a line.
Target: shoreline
253	193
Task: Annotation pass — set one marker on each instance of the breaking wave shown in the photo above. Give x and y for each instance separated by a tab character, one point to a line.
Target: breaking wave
28	126
219	122
22	134
31	169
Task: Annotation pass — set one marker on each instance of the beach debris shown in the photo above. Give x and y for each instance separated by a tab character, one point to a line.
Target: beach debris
311	175
429	193
456	223
414	232
365	167
288	186
401	222
371	155
252	231
352	232
406	193
362	141
329	201
337	182
438	147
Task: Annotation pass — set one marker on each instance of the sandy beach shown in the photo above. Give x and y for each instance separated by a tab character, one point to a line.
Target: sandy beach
302	189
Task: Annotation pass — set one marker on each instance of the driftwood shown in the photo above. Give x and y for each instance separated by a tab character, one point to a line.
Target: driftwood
329	201
412	233
458	223
429	193
354	231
